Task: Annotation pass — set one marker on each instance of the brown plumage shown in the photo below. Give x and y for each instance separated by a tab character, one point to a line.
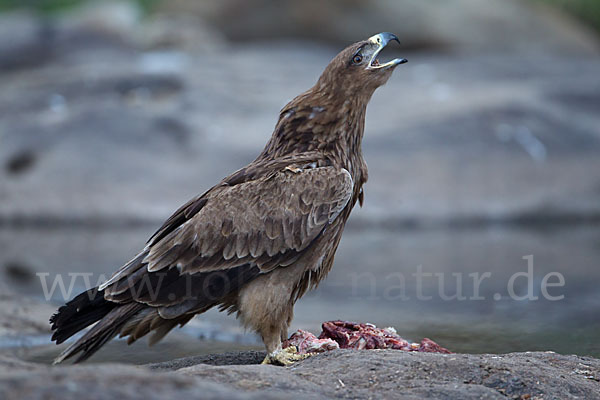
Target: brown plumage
254	243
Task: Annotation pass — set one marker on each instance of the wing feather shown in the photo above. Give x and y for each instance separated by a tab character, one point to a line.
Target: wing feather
235	231
279	214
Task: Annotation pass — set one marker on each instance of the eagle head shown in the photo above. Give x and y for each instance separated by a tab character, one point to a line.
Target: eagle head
357	70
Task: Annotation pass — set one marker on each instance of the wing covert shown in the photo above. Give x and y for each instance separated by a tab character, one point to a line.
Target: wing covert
247	229
256	221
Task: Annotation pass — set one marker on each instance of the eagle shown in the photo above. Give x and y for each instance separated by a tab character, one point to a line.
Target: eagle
258	240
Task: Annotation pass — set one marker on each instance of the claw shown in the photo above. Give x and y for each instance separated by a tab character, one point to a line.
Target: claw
285	357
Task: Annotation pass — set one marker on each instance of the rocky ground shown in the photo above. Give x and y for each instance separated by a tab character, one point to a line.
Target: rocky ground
358	374
108	120
338	374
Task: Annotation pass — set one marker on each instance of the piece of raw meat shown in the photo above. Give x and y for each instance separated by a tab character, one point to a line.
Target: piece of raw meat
306	342
352	335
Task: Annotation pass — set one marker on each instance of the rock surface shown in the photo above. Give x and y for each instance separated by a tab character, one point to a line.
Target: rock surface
22	317
119	123
337	374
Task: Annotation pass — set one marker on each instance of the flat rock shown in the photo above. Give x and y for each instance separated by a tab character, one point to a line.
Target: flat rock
336	374
228	358
110	381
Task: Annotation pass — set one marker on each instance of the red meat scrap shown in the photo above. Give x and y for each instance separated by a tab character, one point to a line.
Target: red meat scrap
306	342
359	336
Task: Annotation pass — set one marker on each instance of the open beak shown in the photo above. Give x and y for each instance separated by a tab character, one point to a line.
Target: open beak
380	41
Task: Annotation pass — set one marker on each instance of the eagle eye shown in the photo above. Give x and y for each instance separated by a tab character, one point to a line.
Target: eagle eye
357	59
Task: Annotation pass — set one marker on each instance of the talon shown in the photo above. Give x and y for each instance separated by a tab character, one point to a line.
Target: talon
285	357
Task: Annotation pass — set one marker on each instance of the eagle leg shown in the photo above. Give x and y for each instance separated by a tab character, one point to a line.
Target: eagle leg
284	357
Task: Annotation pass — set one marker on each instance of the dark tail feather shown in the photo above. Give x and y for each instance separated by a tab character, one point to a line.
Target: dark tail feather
79	313
84	310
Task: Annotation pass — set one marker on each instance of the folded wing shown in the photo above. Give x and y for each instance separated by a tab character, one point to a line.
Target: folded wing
230	235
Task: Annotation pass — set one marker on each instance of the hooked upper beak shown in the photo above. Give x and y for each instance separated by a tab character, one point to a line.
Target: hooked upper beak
381	40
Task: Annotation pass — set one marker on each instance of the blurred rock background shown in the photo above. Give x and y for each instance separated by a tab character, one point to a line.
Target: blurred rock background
483	149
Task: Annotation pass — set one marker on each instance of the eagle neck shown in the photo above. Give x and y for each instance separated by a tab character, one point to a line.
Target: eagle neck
348	137
329	123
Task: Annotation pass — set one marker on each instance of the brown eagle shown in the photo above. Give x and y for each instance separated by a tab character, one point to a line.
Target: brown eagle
257	241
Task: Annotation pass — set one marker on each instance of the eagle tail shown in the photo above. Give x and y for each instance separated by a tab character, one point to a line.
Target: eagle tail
84	310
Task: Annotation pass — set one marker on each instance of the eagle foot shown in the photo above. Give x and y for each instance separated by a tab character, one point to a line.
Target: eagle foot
284	357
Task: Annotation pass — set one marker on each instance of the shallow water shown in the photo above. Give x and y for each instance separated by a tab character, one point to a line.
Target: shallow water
421	281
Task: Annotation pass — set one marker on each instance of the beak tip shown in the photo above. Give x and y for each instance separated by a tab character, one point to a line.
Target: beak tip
388	37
